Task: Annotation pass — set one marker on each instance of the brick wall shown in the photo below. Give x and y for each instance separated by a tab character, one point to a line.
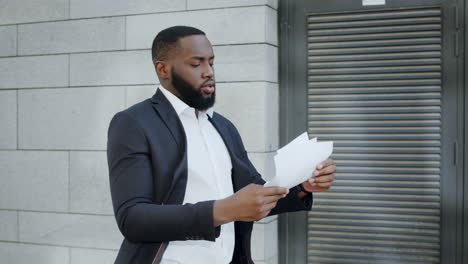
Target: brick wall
66	66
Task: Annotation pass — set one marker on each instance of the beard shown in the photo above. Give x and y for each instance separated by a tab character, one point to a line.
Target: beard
190	95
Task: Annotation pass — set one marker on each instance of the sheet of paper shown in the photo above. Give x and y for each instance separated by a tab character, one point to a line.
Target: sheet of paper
295	162
302	138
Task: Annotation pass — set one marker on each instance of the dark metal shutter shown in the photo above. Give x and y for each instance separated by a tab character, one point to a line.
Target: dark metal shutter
374	88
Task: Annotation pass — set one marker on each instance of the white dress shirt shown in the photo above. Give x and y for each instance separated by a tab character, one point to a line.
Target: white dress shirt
209	178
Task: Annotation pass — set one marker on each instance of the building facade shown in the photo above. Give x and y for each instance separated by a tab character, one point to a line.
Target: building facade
66	67
384	79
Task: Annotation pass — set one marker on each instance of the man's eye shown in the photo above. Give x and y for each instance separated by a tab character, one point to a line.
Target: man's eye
195	65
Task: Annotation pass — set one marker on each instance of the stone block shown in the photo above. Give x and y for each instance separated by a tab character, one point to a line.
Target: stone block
92	256
8	225
209	4
268	219
8	115
112	68
75	230
136	94
69	118
264	163
34	180
34	71
272	26
89	183
273	3
273	260
99	8
37	254
72	36
253	108
222	26
8	43
256	62
265	241
22	11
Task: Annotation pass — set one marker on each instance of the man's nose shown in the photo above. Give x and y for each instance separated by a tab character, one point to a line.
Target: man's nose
208	72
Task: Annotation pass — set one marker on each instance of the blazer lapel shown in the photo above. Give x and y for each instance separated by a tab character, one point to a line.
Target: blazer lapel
169	116
240	170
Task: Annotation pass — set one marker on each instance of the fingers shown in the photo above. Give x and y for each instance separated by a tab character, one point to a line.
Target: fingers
324	164
324	175
327	170
323	181
317	180
254	201
326	185
272	198
266	210
324	178
274	190
268	207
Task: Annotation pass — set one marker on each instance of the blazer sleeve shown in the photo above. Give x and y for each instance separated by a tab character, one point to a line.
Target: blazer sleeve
131	185
290	203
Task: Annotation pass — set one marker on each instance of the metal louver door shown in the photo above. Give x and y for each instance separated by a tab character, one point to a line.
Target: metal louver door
374	88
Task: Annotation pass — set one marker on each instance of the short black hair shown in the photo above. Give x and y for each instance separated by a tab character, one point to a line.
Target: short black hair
167	39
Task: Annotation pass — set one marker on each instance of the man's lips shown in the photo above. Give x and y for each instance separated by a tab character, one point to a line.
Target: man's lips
208	88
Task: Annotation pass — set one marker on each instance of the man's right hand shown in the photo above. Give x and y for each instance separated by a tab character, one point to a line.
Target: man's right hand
251	203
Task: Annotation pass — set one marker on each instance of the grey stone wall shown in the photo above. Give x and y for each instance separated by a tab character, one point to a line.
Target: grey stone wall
66	66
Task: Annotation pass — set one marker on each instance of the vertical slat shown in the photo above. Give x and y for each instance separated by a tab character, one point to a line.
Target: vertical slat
374	88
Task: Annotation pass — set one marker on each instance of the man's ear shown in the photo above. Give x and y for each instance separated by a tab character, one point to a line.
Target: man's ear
163	69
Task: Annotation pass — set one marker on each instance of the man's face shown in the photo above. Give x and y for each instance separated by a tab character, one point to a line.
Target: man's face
192	73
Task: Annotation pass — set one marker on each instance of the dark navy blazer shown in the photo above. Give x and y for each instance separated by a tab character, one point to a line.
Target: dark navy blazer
147	158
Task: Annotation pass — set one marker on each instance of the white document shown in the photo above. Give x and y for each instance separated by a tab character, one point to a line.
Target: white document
295	162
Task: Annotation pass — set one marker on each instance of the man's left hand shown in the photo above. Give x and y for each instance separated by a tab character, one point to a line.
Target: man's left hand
322	178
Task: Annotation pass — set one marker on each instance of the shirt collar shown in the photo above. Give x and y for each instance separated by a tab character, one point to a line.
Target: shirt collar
179	105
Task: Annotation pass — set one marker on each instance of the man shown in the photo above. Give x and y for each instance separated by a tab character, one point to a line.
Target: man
183	188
